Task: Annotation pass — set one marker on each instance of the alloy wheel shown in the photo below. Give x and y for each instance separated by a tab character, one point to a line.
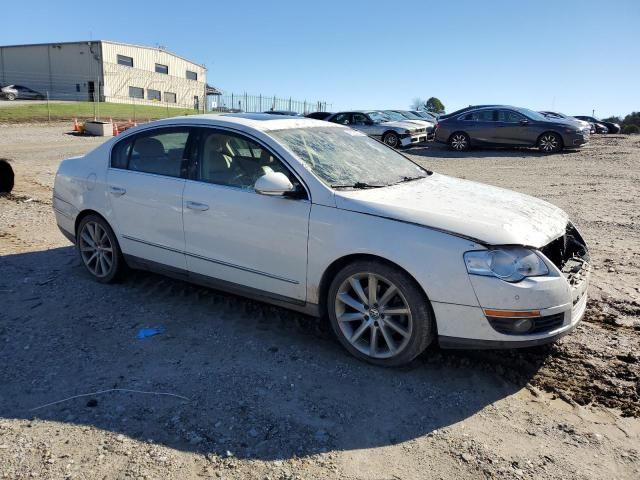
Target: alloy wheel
459	142
391	140
96	249
373	315
549	143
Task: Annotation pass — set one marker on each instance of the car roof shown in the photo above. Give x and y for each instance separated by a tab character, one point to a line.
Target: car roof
258	121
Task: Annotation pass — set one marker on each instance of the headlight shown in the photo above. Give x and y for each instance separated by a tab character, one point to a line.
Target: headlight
509	264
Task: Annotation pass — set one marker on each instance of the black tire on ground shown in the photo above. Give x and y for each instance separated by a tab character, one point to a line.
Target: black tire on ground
550	142
86	237
459	141
7	177
419	326
391	139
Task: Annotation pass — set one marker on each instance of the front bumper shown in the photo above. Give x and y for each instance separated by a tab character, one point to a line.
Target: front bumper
495	340
576	139
412	139
555	303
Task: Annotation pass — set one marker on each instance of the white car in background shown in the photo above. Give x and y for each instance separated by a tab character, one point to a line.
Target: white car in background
322	219
378	125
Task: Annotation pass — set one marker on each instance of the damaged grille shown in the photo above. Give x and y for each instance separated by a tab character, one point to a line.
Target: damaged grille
570	254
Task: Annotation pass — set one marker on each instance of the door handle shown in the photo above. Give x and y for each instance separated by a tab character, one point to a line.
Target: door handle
117	191
202	207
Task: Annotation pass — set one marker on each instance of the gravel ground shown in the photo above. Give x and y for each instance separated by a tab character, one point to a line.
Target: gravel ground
237	389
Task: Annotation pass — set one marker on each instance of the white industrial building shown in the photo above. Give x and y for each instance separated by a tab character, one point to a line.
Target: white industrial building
106	71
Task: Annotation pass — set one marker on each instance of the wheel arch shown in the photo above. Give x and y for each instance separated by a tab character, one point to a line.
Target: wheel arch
85	213
387	132
550	131
459	131
332	270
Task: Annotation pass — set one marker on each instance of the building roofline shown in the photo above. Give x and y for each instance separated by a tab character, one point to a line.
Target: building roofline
88	42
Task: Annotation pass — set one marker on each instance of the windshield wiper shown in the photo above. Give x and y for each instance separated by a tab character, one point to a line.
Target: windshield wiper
408	179
359	185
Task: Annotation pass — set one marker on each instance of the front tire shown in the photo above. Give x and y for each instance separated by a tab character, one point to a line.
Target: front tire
379	313
99	250
391	139
550	143
459	142
11	96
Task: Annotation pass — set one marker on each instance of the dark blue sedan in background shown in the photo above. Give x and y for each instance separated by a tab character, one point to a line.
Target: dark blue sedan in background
507	126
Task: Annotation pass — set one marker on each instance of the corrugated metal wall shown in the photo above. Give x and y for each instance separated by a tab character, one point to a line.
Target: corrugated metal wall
118	78
63	70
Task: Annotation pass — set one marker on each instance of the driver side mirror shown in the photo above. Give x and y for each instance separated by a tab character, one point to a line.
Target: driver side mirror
368	122
274	184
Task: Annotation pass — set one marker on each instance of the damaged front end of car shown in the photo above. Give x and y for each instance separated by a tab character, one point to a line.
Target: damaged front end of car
570	254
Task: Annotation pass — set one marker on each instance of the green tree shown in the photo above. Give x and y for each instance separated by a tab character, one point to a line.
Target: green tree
632	119
613	119
434	105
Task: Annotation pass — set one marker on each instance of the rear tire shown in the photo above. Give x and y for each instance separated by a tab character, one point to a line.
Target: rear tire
11	96
550	142
459	142
99	249
379	313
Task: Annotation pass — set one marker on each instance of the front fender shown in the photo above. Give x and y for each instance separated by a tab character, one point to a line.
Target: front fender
433	258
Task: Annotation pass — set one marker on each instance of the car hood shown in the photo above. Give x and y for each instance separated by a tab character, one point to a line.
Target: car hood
406	125
491	215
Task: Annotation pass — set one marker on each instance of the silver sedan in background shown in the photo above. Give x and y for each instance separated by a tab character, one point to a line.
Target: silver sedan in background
377	124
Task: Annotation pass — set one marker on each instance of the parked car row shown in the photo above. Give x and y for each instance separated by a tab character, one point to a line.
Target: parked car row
477	125
395	128
13	92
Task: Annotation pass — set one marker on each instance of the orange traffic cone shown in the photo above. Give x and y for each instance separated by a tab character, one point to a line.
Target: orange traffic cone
76	125
115	129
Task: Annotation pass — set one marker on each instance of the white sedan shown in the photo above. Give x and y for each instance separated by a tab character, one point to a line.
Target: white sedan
322	219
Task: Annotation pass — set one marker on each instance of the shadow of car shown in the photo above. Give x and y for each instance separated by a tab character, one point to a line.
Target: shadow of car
259	381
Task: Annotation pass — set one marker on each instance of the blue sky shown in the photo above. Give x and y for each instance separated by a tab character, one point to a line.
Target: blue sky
571	56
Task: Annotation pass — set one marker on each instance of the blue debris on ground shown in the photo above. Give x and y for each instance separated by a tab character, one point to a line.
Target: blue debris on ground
149	332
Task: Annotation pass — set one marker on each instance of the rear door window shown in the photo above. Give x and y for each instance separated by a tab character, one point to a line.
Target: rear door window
485	116
160	151
508	116
360	119
342	119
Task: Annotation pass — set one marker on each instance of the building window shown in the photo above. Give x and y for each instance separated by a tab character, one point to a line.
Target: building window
169	97
136	92
153	95
126	61
77	87
192	75
162	68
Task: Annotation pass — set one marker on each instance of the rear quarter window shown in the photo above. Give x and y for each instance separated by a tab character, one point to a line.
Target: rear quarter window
120	154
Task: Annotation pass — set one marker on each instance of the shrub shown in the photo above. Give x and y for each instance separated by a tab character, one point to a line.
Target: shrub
627	129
